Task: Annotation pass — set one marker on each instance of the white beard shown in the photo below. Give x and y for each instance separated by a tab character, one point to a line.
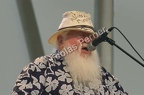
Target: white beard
84	70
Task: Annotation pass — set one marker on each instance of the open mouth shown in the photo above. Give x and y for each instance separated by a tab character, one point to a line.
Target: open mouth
84	48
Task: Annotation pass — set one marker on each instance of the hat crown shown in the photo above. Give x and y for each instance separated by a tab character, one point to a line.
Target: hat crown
75	18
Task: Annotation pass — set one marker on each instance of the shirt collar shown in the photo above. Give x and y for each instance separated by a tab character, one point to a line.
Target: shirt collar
57	55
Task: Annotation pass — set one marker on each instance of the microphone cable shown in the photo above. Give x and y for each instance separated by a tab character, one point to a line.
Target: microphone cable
111	28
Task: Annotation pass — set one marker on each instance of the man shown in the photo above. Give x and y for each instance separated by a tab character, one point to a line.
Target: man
72	69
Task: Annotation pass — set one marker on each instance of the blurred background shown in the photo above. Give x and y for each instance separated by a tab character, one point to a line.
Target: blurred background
26	25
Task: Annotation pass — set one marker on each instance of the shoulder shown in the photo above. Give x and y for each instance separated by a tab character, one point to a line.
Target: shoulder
46	60
43	60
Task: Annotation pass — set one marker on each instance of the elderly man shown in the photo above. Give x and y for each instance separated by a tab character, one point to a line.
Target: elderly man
72	69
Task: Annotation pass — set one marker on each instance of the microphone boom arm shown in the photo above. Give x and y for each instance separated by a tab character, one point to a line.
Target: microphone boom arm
112	42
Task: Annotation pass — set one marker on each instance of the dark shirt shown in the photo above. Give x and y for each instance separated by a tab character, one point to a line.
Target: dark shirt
48	75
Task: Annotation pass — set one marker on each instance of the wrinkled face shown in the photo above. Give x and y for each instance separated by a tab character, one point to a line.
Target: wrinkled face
79	39
82	63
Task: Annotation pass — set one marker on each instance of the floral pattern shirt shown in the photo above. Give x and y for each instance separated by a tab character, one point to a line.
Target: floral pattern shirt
48	75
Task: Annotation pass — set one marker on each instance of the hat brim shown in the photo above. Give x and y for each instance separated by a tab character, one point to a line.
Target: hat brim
53	39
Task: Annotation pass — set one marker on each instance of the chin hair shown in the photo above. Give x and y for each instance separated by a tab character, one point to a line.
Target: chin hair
84	69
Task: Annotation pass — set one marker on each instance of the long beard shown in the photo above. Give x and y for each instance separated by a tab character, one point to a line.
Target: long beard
84	69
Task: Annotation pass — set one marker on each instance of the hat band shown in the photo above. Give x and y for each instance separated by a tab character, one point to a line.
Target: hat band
78	26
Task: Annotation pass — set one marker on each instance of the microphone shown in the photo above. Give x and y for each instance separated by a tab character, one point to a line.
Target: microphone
102	37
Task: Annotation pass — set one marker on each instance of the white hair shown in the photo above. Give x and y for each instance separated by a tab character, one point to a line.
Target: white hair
84	70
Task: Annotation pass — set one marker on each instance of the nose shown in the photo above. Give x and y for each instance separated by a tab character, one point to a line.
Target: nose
86	39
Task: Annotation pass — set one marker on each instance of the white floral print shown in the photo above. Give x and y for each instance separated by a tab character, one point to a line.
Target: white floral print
52	84
66	90
48	75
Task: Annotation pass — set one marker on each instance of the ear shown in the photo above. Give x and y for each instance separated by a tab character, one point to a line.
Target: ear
59	39
60	42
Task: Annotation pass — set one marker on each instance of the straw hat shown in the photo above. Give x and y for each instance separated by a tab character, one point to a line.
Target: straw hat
73	20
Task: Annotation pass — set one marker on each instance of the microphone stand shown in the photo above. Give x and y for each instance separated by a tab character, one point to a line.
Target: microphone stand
112	42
